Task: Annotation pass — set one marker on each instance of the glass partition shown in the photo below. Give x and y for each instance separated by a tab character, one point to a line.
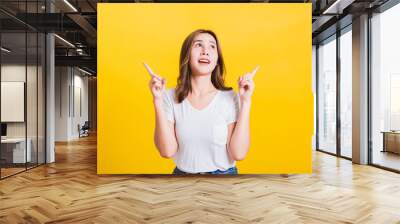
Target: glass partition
22	88
14	154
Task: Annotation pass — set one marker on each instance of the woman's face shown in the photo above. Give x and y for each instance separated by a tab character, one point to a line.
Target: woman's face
203	54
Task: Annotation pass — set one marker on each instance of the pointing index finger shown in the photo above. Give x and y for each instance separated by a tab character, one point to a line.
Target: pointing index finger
254	71
150	70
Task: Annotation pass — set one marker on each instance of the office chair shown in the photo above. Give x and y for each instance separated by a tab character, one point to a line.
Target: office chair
84	130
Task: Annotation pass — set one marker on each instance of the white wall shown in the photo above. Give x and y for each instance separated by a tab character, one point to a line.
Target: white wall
12	73
71	87
80	83
62	81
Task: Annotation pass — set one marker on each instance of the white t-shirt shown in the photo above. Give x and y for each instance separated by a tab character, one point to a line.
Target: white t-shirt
202	134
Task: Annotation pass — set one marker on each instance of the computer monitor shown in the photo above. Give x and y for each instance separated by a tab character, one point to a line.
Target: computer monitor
3	129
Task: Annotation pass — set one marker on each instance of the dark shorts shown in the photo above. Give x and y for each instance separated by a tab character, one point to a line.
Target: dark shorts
230	171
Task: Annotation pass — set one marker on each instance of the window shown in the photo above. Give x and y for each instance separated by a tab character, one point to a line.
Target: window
327	95
385	88
346	93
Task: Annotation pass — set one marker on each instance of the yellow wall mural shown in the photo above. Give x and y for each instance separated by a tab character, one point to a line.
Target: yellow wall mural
277	37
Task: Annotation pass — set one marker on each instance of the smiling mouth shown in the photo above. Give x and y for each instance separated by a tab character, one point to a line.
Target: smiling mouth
204	61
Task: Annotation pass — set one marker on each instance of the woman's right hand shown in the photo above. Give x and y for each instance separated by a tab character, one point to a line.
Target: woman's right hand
156	84
164	133
157	87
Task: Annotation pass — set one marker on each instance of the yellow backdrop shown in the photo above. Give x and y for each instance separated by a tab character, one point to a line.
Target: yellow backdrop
275	36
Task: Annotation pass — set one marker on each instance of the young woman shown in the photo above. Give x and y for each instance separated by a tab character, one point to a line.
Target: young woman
202	124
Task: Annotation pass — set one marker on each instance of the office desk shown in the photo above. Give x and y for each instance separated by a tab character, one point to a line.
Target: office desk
15	148
391	141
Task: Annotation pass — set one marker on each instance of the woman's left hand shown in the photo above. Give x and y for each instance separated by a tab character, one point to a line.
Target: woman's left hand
246	85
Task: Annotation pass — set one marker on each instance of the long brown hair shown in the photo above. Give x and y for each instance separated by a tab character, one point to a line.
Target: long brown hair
184	85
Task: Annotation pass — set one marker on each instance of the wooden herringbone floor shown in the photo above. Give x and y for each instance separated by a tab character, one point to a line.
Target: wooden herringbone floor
69	191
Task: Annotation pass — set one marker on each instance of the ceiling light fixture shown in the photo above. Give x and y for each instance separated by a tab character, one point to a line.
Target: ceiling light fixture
70	5
5	50
64	40
84	71
337	7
